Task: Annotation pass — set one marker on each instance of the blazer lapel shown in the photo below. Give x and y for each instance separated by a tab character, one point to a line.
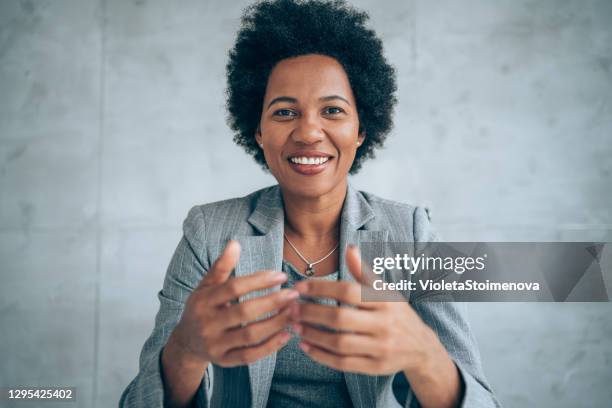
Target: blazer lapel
356	213
262	252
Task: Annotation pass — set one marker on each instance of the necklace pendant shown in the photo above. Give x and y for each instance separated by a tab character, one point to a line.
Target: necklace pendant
310	270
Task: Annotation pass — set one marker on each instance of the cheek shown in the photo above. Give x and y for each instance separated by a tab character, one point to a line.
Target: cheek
271	137
273	151
349	155
275	146
275	133
346	140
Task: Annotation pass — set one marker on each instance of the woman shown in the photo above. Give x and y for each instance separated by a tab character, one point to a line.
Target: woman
310	96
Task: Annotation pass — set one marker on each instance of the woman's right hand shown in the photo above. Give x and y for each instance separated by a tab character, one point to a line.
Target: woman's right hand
215	329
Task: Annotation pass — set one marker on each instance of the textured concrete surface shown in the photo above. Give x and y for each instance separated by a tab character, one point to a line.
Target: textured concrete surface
112	125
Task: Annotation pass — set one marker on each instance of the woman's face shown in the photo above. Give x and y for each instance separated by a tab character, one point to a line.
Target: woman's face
309	125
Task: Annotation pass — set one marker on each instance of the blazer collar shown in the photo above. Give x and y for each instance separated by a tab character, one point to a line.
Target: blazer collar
269	210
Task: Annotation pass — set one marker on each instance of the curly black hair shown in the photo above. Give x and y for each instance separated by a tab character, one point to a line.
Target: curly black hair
275	30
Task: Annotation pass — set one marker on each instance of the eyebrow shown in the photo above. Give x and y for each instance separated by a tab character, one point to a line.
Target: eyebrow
332	97
282	99
290	99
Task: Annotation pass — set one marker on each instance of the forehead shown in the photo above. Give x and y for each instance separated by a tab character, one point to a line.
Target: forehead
308	76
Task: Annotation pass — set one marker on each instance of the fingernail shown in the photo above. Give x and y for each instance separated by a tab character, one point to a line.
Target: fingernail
284	337
291	294
278	276
305	347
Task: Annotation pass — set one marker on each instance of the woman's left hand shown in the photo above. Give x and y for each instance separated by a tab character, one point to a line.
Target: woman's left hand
374	338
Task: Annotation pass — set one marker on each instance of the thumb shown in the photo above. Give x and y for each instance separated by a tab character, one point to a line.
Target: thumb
224	265
353	261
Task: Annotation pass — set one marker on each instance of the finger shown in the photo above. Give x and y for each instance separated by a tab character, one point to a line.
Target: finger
356	364
223	266
338	318
248	355
346	344
360	270
343	291
257	332
237	287
353	262
251	309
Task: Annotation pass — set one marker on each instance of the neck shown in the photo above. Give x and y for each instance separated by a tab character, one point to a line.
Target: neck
313	218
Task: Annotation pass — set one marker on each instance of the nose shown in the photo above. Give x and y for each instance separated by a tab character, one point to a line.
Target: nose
309	130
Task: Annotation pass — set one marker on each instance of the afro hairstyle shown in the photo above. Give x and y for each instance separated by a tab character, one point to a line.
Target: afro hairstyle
274	30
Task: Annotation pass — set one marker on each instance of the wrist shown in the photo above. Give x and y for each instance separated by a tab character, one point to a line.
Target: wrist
435	379
429	358
182	374
179	353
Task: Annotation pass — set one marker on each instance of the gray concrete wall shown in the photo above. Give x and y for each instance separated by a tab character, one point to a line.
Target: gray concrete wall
112	126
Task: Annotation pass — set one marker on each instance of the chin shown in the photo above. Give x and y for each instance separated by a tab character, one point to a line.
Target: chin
310	189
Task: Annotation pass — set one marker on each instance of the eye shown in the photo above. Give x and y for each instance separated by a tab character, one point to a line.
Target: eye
332	110
284	113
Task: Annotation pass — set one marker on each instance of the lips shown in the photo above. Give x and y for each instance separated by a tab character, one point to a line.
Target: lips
309	163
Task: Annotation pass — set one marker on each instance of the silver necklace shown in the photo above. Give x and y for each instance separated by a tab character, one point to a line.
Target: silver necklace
310	270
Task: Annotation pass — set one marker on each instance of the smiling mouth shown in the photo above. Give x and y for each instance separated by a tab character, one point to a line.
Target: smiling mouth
309	165
309	160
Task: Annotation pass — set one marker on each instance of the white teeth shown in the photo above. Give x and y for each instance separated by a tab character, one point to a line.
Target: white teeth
309	160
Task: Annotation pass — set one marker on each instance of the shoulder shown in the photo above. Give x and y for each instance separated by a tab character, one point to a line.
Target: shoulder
395	215
221	212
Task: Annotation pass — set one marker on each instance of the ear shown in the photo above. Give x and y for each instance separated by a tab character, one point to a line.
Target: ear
258	137
361	137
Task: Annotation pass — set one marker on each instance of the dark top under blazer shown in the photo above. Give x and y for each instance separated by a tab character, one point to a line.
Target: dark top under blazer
257	222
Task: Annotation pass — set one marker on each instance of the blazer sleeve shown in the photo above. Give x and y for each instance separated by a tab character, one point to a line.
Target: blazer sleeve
449	321
187	267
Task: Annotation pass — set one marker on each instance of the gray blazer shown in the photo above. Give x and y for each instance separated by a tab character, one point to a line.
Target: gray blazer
257	222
